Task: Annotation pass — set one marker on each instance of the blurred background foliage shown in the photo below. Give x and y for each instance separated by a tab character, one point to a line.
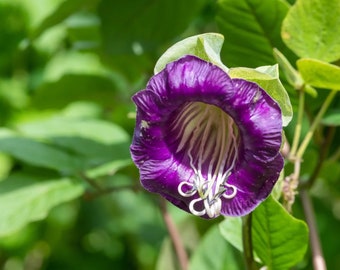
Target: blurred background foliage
67	71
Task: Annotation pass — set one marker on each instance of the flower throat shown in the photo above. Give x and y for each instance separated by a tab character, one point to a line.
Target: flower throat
210	140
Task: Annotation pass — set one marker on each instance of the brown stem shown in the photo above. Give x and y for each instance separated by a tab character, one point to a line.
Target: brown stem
175	236
318	259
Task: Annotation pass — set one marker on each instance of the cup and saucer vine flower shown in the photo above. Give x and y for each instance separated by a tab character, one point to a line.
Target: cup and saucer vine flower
208	143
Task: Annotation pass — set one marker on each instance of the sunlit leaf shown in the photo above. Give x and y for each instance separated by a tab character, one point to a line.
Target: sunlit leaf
6	164
319	74
206	46
72	62
94	129
38	154
311	29
109	168
23	201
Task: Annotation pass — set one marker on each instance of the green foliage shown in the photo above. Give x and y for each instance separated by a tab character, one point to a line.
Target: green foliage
133	30
69	193
319	74
332	118
206	46
213	246
44	155
24	200
60	13
311	29
274	232
255	22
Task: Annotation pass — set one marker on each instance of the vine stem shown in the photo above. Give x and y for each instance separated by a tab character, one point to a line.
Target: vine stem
175	236
247	242
315	123
318	259
298	126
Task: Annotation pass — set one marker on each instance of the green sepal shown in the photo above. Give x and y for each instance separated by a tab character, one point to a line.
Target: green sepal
205	46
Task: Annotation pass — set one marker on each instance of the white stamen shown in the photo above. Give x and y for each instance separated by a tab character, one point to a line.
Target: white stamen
188	193
213	141
193	210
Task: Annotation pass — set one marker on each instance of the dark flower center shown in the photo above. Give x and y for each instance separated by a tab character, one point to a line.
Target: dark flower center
208	139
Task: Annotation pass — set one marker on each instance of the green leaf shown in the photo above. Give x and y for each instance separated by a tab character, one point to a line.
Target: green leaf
83	30
94	141
72	62
332	118
134	32
23	200
231	230
311	29
5	165
330	181
38	154
74	87
214	253
319	74
167	259
94	129
267	77
60	13
252	29
279	239
206	46
109	168
135	26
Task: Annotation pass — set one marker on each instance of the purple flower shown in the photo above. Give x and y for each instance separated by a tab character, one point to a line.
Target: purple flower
207	143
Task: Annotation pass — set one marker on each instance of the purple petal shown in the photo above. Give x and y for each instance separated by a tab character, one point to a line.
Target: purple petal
205	141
